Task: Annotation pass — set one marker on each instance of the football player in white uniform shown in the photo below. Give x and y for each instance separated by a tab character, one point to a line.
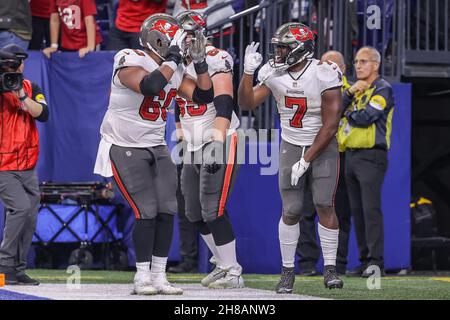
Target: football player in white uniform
206	180
309	103
132	148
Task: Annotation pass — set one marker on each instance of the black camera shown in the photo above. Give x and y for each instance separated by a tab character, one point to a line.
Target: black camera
10	81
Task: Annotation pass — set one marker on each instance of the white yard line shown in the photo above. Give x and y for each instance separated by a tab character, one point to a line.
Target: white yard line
123	292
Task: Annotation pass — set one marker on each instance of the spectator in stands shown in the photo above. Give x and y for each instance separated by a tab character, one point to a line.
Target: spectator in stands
19	147
307	248
79	31
130	16
15	23
365	134
40	11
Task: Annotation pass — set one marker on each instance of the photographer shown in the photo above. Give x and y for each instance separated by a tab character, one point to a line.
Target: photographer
21	103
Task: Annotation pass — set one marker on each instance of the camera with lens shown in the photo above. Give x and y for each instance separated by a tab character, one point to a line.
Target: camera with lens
10	80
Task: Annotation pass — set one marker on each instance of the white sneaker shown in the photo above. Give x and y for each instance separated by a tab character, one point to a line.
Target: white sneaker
142	284
232	280
216	274
159	281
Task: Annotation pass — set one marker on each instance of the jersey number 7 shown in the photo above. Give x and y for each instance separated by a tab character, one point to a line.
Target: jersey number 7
296	120
151	108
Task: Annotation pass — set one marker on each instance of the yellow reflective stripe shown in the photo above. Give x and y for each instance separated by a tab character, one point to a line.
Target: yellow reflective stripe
389	127
423	200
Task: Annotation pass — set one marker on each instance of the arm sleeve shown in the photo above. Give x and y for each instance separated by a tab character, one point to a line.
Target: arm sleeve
373	111
38	96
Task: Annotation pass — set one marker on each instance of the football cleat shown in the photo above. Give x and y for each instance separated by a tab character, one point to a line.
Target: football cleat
331	279
231	280
216	274
142	284
286	283
159	281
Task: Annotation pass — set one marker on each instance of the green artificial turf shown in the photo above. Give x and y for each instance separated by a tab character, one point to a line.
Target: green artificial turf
392	288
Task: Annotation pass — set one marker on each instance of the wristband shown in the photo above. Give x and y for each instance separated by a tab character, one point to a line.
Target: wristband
201	67
23	98
54	45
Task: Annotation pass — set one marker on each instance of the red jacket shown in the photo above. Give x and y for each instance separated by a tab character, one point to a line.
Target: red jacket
19	139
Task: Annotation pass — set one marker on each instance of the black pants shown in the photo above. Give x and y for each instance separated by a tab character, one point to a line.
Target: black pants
365	171
41	34
188	230
308	249
118	40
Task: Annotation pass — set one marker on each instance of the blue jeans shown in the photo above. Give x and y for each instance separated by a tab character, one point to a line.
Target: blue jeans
7	37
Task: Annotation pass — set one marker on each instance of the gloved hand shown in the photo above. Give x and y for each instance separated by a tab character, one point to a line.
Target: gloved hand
178	39
211	163
298	170
197	47
252	58
176	48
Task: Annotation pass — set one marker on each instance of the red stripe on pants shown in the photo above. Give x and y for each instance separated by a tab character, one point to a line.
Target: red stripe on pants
228	175
124	192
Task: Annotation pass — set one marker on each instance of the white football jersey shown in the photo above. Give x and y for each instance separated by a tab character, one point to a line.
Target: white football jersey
299	97
133	120
197	120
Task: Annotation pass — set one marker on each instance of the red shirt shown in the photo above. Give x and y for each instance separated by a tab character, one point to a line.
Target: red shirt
73	28
19	138
131	13
40	8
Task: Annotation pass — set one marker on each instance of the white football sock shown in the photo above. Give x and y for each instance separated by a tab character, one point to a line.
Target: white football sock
209	240
288	236
143	266
227	253
159	264
329	239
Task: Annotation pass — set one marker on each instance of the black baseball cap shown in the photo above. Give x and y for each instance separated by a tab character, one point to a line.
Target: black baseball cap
16	50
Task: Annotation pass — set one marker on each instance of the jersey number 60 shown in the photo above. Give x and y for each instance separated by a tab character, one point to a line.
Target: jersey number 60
151	108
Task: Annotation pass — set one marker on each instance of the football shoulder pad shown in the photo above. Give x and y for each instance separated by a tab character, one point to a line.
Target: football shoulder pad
129	58
219	61
328	74
265	73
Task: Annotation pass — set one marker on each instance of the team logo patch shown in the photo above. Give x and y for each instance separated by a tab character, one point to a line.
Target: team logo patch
301	33
378	102
198	20
165	27
40	98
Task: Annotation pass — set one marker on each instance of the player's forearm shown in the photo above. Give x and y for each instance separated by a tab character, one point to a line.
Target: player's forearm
54	28
221	126
204	81
245	93
321	142
90	31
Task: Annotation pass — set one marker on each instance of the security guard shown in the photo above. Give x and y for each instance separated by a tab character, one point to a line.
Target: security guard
308	249
365	134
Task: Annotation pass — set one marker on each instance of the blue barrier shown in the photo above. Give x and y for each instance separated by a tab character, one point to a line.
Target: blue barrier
77	92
